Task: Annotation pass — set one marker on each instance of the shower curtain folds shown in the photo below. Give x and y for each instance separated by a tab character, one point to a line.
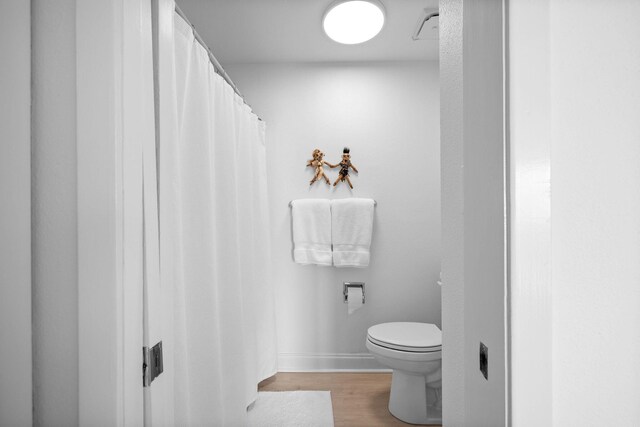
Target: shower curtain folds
214	211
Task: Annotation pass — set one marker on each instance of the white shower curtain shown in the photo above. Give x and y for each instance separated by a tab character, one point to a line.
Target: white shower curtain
214	216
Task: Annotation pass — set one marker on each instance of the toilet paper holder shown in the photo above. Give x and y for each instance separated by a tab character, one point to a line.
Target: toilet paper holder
347	285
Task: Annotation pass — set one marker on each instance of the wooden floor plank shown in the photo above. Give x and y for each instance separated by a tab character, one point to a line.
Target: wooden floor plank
359	399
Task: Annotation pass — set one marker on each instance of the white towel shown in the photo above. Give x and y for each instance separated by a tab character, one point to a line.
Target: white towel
311	231
352	224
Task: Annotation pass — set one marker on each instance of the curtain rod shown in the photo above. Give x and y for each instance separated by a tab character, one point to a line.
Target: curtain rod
214	61
375	202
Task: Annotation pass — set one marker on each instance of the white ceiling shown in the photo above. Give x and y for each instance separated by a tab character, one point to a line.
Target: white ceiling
241	31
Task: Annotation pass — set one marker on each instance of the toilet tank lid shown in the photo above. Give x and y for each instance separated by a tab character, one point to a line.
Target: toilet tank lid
407	334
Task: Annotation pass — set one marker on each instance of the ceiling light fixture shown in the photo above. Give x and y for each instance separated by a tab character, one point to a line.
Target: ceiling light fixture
353	21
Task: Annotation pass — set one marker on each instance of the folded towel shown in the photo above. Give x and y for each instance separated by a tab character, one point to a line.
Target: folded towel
311	231
352	224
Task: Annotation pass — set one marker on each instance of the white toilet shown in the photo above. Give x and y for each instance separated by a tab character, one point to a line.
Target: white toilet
414	352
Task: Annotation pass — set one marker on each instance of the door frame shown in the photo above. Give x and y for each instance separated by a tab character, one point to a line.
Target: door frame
528	81
527	209
109	161
108	217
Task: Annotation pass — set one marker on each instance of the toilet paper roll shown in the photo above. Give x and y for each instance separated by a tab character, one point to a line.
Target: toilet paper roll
354	299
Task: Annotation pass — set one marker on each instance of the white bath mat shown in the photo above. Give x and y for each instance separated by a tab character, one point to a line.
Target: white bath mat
291	409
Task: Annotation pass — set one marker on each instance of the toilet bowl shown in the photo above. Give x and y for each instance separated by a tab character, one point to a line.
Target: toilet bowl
414	352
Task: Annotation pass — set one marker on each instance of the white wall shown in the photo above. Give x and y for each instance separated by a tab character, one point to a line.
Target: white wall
590	109
595	211
388	114
474	227
484	212
451	105
55	266
15	215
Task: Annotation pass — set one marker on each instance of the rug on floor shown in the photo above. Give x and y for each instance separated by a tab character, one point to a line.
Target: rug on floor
291	409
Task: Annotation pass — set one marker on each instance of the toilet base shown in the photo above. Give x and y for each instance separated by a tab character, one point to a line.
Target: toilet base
408	400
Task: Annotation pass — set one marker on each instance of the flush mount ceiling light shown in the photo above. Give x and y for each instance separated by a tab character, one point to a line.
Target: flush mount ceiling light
353	21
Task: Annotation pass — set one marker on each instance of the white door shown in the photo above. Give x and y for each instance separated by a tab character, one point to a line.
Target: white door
120	298
140	123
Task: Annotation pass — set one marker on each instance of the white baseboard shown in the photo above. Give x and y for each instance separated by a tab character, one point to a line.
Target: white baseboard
329	362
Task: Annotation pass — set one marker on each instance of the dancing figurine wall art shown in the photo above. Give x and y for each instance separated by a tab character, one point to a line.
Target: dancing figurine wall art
318	162
345	164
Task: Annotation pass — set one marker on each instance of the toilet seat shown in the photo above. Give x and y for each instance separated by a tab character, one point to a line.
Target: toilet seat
411	337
